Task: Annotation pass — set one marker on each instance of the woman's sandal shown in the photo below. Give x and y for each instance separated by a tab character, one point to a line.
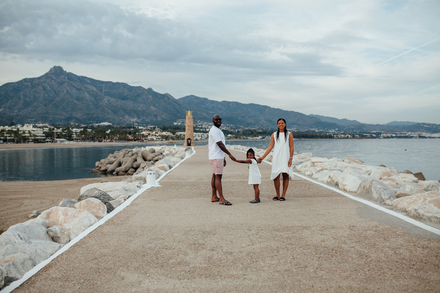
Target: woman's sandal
255	201
282	199
276	198
225	203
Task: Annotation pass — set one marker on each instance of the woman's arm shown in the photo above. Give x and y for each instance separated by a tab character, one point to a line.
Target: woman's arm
291	149
272	143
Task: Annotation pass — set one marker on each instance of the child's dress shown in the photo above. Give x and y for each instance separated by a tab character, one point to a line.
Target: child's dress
254	173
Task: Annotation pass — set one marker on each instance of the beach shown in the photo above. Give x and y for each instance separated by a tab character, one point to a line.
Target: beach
19	198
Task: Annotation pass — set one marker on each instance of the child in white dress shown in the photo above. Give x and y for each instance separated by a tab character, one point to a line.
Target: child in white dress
254	173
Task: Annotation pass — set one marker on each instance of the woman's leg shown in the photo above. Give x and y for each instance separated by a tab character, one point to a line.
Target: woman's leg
285	184
276	183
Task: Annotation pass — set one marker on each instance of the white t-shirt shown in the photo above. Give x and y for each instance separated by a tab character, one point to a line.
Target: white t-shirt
215	135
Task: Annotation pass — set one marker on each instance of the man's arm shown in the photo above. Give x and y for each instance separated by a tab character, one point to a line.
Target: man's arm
225	150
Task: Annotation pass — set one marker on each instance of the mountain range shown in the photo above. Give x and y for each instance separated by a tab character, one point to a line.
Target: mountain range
60	97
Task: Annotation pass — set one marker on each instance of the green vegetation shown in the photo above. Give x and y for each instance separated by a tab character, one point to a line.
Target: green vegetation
98	133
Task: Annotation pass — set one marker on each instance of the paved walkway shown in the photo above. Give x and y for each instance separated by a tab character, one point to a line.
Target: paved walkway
173	239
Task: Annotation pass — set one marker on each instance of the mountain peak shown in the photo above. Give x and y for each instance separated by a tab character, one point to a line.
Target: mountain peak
57	70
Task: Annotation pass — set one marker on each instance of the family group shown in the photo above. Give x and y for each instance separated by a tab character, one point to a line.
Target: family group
281	142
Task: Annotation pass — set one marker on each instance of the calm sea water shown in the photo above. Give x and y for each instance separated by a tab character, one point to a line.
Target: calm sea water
45	164
416	155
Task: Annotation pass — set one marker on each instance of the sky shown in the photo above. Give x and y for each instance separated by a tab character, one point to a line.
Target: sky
374	61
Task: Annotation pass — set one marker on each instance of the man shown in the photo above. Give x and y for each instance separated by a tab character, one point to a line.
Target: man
217	150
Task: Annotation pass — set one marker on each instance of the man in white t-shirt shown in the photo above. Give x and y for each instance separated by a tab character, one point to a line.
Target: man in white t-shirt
217	150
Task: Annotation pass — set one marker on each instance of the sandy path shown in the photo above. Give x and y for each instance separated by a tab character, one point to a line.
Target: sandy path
173	239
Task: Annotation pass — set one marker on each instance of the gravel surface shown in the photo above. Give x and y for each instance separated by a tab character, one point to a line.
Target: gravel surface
173	239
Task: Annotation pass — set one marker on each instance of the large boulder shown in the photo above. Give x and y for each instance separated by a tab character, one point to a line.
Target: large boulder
89	191
118	202
425	206
376	190
345	181
67	203
113	189
94	206
412	189
128	164
15	266
23	246
428	210
409	178
3	275
407	202
59	234
76	221
149	154
420	176
162	165
139	161
430	185
113	167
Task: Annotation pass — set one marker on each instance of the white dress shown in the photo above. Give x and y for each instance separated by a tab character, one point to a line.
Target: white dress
281	155
254	173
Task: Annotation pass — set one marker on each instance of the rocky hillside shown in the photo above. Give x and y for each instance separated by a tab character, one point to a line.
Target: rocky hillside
250	115
62	97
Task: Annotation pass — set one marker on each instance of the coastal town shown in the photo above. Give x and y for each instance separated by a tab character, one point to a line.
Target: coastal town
105	131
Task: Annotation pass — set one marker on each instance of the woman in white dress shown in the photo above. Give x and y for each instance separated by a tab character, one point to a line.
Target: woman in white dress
281	142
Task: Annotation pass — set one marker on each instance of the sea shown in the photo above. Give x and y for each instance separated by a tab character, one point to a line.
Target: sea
46	164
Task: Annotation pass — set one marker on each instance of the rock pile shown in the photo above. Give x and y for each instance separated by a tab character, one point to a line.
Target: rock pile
25	245
128	161
404	191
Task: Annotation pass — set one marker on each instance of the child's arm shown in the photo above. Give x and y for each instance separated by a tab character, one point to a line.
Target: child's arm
244	161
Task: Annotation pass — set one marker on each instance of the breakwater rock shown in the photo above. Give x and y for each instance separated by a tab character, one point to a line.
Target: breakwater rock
403	191
129	161
24	245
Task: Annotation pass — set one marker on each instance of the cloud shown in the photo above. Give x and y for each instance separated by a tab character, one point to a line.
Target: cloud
333	58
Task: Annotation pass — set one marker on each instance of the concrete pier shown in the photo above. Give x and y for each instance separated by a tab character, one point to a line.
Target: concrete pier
173	239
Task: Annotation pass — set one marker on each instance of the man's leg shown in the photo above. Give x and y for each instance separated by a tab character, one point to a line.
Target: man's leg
214	197
218	187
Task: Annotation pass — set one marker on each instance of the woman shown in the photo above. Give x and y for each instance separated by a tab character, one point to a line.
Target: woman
281	142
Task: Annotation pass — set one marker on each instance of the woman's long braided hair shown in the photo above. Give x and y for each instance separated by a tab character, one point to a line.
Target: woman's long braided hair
285	129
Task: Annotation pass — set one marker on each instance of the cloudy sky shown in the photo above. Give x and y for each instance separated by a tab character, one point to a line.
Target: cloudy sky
374	61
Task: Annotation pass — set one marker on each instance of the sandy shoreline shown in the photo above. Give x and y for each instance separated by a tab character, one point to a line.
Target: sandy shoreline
19	198
12	146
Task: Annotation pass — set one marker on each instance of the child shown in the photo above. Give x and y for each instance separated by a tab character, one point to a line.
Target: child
254	173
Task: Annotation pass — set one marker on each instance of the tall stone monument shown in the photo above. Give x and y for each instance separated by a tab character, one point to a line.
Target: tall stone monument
189	130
